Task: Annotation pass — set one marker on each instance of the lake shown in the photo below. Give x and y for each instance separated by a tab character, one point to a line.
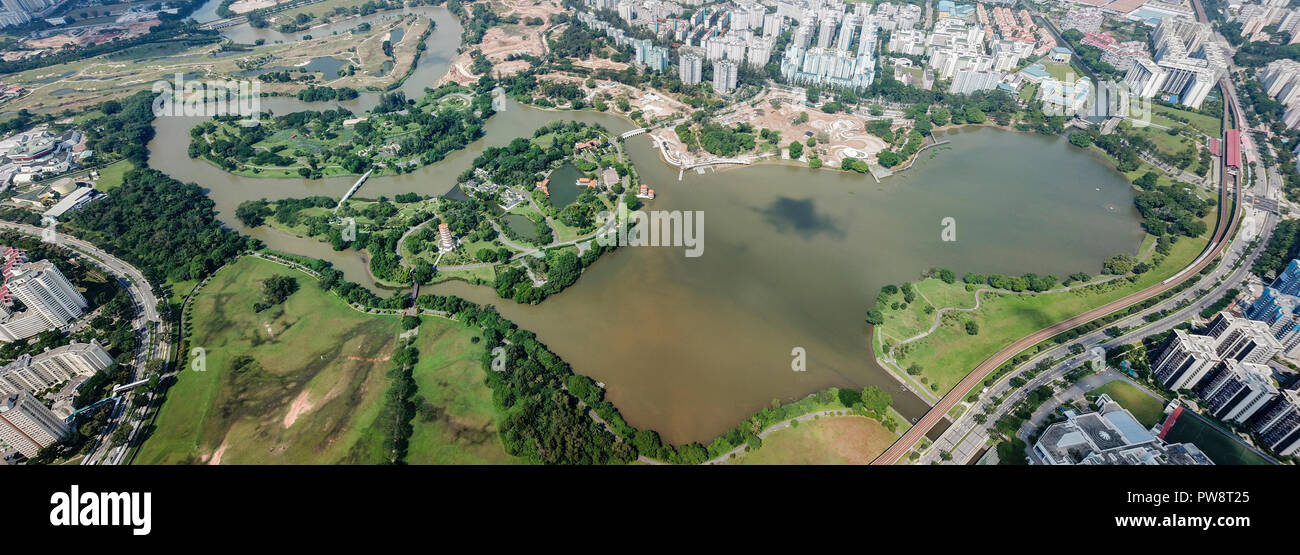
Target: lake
793	256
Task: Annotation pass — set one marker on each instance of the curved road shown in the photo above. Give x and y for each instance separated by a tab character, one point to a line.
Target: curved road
957	393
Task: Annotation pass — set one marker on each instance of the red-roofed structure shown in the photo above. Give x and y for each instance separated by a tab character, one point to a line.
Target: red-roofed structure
1233	146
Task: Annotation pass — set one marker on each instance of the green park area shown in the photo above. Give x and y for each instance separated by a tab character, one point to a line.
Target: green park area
456	422
111	176
830	439
395	137
303	381
1177	118
941	359
1147	409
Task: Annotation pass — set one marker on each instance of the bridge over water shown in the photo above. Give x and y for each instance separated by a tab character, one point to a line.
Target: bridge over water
353	190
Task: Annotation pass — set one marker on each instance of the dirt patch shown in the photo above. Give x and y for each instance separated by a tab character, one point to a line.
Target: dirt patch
216	455
601	63
859	440
299	406
245	6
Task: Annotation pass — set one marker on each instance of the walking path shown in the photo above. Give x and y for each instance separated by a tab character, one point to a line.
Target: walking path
938	315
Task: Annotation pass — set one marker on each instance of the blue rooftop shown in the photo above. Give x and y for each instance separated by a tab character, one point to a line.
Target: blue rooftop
1036	70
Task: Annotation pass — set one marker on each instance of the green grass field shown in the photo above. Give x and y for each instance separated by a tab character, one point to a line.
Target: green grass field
1166	116
826	440
112	175
1221	449
1145	408
948	354
316	385
932	294
458	425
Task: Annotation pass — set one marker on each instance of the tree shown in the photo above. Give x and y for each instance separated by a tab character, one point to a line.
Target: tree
874	317
940	116
1080	139
1119	264
972	328
888	158
796	150
876	400
947	275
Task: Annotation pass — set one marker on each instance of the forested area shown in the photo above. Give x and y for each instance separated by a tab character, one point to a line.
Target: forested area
522	162
1281	248
561	269
122	129
166	228
399	136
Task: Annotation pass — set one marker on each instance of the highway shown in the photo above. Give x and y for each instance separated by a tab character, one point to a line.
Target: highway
1229	190
146	323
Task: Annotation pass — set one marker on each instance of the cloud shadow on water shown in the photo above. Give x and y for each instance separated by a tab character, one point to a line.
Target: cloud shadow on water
800	216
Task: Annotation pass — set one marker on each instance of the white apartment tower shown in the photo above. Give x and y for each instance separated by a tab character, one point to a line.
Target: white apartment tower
692	68
725	74
1186	360
27	426
42	287
1242	340
36	373
1235	391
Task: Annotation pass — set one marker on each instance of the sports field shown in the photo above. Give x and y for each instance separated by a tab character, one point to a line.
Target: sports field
1221	448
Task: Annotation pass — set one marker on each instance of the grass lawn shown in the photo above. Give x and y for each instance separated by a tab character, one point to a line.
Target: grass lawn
1147	409
111	176
948	354
317	385
487	274
1061	72
826	440
1169	117
1165	143
932	294
309	396
1223	450
1029	91
458	425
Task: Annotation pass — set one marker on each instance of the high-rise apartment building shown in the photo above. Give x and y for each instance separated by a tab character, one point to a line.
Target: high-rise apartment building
1235	391
51	301
28	426
725	75
1279	426
36	373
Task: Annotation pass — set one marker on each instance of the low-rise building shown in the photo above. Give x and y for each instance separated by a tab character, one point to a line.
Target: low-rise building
1110	436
